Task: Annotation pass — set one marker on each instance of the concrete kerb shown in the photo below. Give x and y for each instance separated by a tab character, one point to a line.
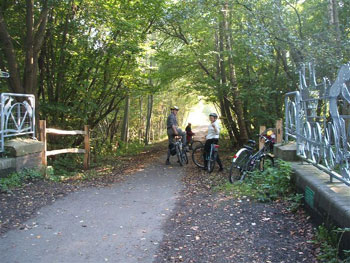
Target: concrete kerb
329	207
327	202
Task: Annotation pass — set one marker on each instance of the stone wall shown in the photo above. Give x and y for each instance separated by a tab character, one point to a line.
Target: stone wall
327	202
19	154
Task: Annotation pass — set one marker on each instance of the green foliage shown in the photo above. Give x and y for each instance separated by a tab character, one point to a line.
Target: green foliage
271	184
295	202
66	165
17	179
70	166
328	240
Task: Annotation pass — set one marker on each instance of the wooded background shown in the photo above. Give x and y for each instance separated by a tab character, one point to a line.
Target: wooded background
119	65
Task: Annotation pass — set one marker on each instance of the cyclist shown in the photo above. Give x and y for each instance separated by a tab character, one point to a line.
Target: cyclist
173	130
189	133
212	137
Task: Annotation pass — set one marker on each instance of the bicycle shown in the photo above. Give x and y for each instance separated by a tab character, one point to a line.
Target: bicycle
192	144
180	151
198	153
245	160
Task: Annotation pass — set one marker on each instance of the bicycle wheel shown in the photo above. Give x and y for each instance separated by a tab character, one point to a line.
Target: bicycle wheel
235	174
197	156
265	162
239	165
195	144
184	157
179	155
241	158
211	162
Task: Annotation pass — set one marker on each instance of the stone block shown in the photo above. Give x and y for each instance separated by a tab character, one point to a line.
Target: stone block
21	147
286	152
7	166
29	161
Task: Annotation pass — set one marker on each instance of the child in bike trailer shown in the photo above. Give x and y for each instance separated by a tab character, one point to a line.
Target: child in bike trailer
189	133
212	137
271	136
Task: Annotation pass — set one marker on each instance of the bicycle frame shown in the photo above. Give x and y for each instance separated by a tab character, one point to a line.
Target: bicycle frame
178	142
213	148
249	164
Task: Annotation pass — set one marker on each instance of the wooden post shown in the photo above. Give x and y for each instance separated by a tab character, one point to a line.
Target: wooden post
279	131
87	147
261	142
42	128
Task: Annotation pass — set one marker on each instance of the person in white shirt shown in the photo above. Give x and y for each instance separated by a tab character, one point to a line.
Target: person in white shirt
212	137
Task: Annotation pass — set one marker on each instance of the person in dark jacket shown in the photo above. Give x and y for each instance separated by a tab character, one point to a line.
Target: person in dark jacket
174	130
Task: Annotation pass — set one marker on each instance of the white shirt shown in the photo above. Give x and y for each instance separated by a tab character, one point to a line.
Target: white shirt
212	134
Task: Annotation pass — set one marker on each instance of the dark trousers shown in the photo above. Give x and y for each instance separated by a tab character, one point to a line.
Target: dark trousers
206	153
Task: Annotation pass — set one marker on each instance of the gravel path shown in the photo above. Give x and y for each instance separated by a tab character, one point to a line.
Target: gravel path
120	223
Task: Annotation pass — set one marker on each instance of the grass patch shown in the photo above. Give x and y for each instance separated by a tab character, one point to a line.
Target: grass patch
16	180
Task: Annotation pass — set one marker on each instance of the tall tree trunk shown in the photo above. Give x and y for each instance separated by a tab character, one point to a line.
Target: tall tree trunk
148	120
140	119
125	127
10	55
233	80
62	53
334	23
220	97
224	102
35	31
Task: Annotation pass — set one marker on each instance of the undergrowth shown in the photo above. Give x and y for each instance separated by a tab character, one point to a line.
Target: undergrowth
70	167
271	184
15	180
275	183
327	241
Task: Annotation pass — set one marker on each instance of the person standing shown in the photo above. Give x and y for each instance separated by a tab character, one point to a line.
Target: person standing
212	138
174	130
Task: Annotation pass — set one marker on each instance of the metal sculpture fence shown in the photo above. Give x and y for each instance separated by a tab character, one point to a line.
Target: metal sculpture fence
316	117
17	114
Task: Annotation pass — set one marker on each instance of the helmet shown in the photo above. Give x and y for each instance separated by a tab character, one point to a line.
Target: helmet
213	114
269	133
174	108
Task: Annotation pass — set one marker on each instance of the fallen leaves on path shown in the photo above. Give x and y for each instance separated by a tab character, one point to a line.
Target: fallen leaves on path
214	227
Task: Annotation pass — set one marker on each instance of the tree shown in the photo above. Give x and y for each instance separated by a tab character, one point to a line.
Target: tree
36	13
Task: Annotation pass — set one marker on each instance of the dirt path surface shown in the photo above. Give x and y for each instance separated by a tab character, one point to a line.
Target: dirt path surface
150	213
120	223
210	227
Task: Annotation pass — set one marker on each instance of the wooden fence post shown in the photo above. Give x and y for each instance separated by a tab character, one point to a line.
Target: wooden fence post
261	142
87	147
42	128
279	131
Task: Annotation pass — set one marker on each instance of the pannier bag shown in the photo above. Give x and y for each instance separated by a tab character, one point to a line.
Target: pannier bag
172	148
